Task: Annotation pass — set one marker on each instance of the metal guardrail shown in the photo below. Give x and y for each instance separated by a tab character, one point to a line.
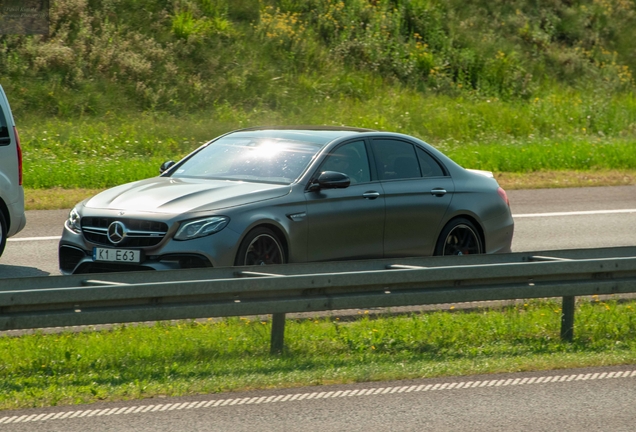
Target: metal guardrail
53	301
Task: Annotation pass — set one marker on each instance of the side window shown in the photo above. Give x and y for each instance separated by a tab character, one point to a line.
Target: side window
429	166
395	160
350	159
4	129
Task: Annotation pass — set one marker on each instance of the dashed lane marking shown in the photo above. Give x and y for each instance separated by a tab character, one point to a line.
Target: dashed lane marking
26	418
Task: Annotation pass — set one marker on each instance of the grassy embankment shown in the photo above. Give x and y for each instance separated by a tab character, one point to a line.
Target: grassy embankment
542	96
120	86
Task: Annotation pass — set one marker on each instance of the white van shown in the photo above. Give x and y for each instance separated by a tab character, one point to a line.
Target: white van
12	218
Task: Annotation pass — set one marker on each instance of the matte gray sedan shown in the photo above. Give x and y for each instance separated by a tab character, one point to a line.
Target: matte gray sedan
279	195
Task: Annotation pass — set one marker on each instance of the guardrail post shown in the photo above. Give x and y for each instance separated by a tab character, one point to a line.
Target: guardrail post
567	318
278	333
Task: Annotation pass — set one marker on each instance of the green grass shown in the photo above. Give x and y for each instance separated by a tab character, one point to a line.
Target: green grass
233	354
45	169
494	135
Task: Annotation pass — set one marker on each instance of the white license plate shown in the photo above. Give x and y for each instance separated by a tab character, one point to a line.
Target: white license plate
116	255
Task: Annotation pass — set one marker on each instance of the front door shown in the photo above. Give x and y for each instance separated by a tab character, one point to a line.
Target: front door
346	223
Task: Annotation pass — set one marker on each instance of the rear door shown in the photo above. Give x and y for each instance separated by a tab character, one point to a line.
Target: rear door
417	193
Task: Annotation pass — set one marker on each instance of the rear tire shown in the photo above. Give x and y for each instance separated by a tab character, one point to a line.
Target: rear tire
459	237
260	247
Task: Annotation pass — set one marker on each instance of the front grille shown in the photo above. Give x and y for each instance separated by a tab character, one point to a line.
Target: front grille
139	233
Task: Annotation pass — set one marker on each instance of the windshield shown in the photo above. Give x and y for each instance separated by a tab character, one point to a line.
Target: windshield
268	160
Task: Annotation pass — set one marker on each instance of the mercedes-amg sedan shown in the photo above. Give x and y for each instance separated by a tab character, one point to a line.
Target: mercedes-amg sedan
280	195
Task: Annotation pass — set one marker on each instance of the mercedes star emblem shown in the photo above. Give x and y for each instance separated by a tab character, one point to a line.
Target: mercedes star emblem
116	232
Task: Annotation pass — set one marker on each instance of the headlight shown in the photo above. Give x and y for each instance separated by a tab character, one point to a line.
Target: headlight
73	222
201	227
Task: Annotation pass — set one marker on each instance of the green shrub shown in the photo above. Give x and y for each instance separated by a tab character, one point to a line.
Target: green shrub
187	55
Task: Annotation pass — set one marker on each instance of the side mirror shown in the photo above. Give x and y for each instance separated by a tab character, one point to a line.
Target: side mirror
330	180
166	166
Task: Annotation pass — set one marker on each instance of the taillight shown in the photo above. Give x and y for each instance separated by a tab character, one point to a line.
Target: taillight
17	144
503	195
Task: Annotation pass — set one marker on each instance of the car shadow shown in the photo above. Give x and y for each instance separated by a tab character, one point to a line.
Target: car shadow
11	271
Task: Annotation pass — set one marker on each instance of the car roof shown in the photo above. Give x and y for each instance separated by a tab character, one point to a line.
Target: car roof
308	128
316	134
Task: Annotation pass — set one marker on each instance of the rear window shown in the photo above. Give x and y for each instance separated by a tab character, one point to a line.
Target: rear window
4	129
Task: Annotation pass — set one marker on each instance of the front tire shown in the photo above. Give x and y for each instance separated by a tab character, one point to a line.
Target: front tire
459	237
260	247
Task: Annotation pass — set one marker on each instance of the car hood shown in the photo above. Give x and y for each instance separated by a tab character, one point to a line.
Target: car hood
168	195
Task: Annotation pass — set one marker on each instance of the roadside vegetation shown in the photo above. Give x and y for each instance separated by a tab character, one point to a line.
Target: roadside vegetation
119	86
192	357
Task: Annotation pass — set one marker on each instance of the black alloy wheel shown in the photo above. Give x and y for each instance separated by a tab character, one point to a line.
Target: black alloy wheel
260	247
459	237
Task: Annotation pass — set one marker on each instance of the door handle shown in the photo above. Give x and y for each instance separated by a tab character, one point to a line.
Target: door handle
371	195
438	192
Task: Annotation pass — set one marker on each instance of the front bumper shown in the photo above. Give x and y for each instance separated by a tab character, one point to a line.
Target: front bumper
217	250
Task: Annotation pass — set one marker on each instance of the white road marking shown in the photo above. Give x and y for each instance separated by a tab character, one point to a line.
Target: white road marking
456	386
574	213
26	239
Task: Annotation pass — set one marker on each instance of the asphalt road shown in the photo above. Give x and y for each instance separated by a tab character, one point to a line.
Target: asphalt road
545	219
599	399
